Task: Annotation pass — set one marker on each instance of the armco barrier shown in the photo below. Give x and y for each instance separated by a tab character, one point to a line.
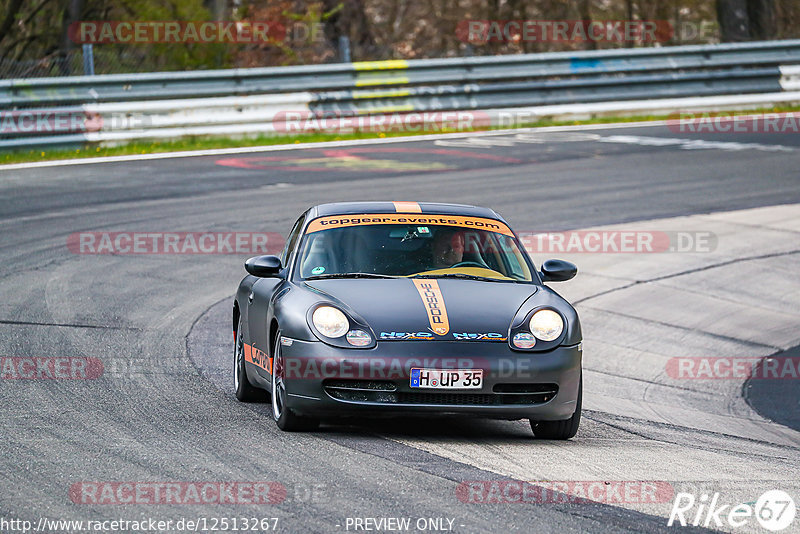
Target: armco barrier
118	108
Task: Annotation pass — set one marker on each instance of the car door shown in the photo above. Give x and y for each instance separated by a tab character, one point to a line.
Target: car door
260	310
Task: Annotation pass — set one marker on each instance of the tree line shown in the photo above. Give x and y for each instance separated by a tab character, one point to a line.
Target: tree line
314	32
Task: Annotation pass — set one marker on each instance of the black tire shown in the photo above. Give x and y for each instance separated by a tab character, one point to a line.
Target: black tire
283	416
245	391
565	429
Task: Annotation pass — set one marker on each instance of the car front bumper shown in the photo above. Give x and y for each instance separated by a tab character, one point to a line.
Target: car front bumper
326	381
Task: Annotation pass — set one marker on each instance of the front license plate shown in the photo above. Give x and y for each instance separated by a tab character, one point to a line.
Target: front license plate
447	378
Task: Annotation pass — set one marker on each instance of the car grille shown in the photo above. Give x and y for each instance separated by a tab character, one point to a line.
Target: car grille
360	385
385	392
473	399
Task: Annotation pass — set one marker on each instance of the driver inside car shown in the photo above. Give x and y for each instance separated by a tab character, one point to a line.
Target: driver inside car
448	248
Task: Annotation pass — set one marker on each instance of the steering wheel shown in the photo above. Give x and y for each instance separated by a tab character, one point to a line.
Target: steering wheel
468	264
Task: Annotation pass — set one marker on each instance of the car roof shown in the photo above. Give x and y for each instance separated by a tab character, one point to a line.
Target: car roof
439	208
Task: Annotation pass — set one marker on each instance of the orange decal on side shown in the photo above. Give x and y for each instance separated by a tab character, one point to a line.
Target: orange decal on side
257	357
362	219
407	207
432	298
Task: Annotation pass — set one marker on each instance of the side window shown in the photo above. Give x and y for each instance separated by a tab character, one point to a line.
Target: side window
513	256
291	240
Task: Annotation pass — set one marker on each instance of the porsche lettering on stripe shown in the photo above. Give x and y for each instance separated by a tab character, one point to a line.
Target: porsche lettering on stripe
407	207
257	357
342	221
432	298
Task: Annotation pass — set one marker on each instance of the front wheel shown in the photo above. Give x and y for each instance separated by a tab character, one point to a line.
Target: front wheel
284	417
565	429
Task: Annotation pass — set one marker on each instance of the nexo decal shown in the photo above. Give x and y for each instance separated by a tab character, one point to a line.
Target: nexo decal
406	335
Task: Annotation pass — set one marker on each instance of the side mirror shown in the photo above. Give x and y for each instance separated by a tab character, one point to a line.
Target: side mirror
263	266
558	271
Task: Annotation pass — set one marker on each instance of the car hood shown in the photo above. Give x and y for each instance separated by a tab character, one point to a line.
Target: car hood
395	308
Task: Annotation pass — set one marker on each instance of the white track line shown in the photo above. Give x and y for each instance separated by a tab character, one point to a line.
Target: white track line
326	144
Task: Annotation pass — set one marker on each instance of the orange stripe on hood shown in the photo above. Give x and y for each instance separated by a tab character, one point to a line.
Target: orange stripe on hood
432	298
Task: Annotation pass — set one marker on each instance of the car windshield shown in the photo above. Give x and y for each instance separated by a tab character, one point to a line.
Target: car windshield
381	246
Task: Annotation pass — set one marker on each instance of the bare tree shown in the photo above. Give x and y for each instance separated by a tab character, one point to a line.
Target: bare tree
746	20
761	14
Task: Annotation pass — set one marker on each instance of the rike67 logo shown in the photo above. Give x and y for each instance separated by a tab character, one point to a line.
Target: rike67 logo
774	510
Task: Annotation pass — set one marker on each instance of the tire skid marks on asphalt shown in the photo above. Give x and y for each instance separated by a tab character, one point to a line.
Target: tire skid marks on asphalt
641	140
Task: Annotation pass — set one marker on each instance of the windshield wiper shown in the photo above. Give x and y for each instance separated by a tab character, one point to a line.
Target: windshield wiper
348	275
464	276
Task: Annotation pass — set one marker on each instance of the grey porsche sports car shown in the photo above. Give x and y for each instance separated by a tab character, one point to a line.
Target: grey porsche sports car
403	308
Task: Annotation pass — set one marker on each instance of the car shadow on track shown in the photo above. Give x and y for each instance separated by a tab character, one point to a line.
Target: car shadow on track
431	427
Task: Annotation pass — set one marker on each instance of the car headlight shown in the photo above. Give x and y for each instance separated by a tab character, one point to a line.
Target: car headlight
546	325
330	322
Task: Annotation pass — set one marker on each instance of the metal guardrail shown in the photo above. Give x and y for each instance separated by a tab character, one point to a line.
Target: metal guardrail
470	71
215	98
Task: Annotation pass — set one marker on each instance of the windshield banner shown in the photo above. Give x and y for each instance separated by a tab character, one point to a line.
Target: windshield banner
341	221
